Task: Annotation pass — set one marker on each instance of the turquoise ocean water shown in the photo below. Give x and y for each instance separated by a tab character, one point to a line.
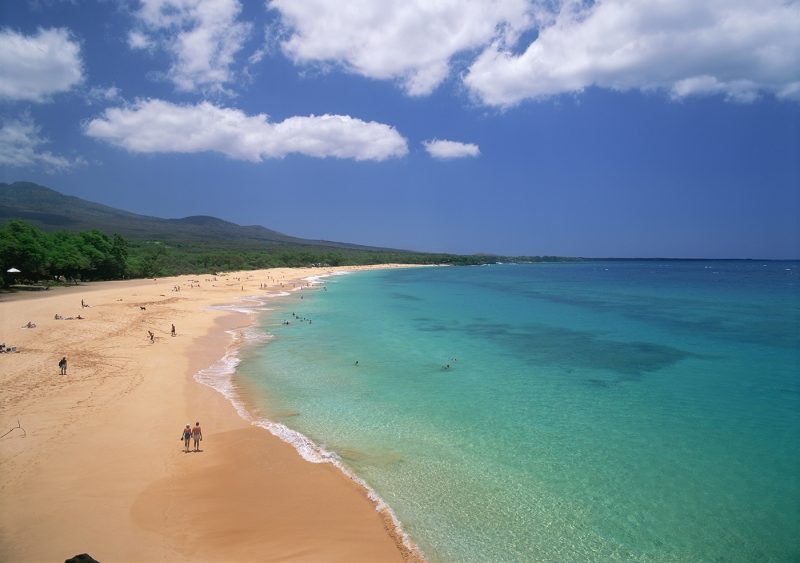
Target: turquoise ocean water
644	411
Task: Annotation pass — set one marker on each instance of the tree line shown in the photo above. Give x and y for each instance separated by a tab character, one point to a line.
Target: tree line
93	255
88	255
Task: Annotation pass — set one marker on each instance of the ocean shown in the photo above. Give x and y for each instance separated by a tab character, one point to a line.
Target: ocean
592	411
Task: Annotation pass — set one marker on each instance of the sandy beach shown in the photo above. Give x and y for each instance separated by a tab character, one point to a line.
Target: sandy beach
92	461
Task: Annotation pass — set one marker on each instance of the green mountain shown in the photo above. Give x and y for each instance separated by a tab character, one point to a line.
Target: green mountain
52	211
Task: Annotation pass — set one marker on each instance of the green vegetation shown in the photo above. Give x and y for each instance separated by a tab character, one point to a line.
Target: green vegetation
51	237
88	255
159	258
92	255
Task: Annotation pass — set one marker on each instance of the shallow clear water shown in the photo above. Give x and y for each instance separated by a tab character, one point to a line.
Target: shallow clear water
592	411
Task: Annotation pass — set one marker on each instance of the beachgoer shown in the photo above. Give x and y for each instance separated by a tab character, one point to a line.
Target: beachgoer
197	435
185	436
173	330
151	335
62	365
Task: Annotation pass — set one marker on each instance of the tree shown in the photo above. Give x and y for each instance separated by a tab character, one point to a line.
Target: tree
119	256
96	246
24	247
66	258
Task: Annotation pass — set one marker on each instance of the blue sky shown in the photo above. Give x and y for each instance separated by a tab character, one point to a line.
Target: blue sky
522	127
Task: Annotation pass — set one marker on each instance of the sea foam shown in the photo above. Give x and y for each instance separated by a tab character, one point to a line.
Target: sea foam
220	377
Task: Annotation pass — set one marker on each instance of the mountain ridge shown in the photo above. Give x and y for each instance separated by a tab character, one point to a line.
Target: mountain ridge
53	211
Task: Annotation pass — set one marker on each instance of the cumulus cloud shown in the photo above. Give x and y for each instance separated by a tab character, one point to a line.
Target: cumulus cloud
736	48
408	40
445	150
151	126
21	144
203	38
33	67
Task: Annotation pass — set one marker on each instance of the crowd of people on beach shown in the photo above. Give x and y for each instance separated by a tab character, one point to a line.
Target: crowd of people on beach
62	364
191	435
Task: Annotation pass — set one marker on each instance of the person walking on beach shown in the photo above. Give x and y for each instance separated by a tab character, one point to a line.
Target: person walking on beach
186	435
62	365
197	435
151	335
173	330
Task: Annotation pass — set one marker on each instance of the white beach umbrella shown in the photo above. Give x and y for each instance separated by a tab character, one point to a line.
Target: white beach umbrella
13	271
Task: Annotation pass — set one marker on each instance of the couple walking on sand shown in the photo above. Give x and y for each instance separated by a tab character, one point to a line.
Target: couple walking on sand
192	433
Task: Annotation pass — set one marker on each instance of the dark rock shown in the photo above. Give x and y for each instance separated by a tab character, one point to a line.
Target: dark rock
82	558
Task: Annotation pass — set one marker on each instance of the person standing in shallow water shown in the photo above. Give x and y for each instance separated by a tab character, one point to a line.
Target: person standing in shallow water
197	435
187	434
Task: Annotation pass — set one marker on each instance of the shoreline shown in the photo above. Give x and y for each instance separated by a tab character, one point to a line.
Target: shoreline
96	472
220	376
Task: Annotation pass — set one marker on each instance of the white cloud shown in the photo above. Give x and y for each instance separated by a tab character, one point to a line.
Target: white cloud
445	150
102	94
202	37
790	91
737	48
269	45
20	146
33	67
408	40
138	40
158	126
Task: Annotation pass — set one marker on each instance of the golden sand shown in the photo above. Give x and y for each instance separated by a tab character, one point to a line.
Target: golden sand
97	465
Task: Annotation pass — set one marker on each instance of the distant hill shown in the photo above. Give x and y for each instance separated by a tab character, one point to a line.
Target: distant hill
52	211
